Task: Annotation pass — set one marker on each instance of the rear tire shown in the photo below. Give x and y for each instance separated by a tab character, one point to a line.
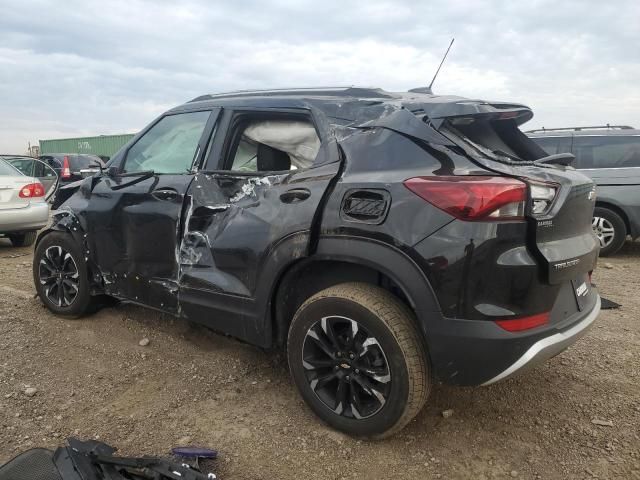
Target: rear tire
357	358
610	229
60	275
23	239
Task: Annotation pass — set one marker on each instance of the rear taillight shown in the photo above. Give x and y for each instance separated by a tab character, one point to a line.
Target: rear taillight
473	197
66	170
524	323
542	196
32	190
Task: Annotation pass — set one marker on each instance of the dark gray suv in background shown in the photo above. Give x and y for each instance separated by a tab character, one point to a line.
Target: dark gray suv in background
610	155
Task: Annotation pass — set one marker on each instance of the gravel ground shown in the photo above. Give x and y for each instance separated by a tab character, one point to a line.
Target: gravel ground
577	416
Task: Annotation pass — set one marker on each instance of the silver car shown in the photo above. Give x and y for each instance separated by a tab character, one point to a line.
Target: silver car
610	155
23	204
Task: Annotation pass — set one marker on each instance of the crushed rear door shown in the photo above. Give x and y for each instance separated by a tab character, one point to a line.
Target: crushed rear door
240	231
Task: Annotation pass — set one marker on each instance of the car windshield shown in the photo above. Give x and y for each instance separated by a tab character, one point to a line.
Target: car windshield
7	170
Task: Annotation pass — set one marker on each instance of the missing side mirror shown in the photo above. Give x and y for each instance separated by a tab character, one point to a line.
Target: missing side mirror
113	171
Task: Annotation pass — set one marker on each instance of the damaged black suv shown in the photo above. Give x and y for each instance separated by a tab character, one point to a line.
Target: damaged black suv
386	240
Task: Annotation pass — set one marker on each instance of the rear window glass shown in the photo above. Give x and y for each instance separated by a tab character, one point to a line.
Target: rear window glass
76	162
8	170
498	138
54	162
607	151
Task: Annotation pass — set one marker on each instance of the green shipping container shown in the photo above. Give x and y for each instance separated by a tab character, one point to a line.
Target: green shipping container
103	145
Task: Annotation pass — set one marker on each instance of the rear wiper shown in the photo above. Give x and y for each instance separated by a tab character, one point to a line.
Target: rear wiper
505	154
564	159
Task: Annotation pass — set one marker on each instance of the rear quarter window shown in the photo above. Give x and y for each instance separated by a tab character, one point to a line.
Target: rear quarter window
8	170
607	151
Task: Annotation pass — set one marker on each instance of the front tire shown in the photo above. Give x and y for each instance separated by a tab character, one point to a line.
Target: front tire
60	275
610	229
357	358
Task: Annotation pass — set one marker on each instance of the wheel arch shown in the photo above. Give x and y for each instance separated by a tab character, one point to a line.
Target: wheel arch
620	211
343	259
63	221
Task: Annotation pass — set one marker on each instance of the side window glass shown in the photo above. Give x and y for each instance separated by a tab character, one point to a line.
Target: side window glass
51	161
245	159
564	145
548	144
170	146
608	152
274	145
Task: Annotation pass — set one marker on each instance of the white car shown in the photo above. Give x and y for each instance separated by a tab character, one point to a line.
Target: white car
23	205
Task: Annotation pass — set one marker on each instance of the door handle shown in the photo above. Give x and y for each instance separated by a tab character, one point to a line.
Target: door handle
167	194
295	195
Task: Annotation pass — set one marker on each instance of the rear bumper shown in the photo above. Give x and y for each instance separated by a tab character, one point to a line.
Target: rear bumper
549	347
479	352
33	217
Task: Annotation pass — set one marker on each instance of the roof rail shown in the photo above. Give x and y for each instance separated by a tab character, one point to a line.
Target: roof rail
578	129
335	91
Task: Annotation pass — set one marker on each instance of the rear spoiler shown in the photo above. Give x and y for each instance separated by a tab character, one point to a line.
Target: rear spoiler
468	111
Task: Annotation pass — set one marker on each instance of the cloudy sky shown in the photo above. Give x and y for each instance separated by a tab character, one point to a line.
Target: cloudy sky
73	68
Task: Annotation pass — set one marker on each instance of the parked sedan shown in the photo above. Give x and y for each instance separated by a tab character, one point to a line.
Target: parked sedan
32	167
23	205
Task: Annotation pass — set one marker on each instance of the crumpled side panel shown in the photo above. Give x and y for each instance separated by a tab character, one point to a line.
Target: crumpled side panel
230	222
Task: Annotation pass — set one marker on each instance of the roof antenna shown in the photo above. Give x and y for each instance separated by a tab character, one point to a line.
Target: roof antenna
428	89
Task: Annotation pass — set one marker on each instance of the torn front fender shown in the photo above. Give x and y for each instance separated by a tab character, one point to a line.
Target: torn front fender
66	221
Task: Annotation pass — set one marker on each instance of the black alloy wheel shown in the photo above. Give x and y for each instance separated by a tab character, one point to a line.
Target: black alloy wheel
357	359
58	274
346	367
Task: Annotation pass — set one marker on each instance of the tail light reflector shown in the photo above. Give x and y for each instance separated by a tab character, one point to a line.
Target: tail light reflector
524	323
473	197
66	170
32	190
542	196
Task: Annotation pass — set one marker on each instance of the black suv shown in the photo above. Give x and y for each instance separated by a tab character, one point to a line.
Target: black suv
387	240
71	167
610	155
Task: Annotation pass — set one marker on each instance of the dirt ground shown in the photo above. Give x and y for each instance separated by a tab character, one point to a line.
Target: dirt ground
94	380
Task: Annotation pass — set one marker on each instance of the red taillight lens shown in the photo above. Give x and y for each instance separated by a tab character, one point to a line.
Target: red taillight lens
524	323
66	170
473	197
32	190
